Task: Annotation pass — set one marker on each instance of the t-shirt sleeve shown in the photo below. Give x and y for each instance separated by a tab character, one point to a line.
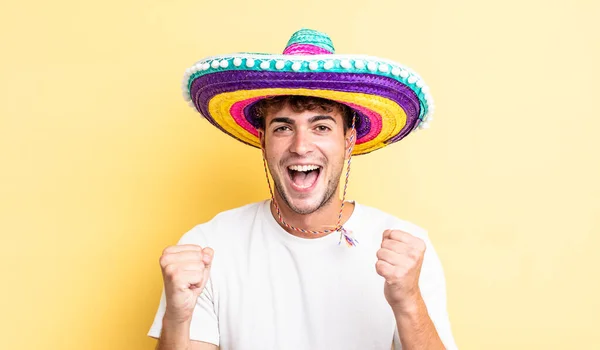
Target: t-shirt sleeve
432	283
204	326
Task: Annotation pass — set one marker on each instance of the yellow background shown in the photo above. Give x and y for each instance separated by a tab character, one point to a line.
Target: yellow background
103	164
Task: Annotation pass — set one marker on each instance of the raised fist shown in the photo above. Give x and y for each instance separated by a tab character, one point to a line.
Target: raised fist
399	262
185	270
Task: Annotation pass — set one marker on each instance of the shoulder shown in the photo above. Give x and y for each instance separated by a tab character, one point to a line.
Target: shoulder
223	226
388	221
432	275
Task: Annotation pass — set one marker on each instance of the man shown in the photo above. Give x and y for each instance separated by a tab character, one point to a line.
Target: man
275	274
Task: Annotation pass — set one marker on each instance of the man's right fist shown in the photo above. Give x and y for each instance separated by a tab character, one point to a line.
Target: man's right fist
185	269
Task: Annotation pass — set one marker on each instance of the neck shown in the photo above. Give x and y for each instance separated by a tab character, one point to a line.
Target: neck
324	218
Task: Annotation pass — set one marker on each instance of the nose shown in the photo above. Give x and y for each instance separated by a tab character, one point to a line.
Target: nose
301	143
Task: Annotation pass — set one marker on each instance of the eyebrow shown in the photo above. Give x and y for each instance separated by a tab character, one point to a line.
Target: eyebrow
317	118
282	120
291	121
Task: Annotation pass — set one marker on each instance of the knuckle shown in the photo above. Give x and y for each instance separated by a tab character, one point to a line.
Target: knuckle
386	243
199	267
380	268
170	270
414	254
397	234
420	245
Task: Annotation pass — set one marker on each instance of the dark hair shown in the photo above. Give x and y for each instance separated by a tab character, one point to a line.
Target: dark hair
300	104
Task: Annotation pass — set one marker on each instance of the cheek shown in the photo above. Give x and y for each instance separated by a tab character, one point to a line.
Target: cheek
333	149
275	143
273	154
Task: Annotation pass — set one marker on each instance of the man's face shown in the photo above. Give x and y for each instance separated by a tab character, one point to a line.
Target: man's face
305	153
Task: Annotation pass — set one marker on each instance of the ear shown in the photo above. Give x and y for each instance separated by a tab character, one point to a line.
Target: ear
261	137
350	142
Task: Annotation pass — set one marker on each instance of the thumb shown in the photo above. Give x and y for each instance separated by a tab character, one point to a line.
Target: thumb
386	234
207	257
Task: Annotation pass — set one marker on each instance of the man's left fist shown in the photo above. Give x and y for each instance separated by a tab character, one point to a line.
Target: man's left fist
399	262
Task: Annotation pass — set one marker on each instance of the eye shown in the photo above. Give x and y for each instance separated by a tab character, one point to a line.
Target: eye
281	128
323	128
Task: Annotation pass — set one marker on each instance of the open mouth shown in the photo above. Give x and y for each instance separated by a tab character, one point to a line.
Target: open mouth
303	177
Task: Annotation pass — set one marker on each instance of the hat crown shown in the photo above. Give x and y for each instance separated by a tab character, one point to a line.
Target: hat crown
309	42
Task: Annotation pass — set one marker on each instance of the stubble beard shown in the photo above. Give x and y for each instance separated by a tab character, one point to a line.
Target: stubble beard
332	185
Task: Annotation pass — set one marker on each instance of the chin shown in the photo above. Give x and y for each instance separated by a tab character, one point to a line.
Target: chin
304	206
307	203
304	200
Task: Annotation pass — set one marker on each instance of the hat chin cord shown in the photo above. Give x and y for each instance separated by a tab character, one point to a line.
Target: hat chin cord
344	234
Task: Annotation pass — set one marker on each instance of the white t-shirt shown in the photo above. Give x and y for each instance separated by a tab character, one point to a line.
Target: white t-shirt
271	290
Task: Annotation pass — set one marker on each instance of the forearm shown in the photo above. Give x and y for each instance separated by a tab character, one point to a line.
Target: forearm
415	328
174	336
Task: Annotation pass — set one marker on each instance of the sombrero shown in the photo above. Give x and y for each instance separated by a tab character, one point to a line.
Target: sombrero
390	100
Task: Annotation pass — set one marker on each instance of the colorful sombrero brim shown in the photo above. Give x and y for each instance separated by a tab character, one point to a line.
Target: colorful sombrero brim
390	100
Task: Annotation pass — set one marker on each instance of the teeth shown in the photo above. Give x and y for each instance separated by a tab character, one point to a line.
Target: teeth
303	167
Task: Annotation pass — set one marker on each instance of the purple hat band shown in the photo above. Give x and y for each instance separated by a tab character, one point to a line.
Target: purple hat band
205	87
